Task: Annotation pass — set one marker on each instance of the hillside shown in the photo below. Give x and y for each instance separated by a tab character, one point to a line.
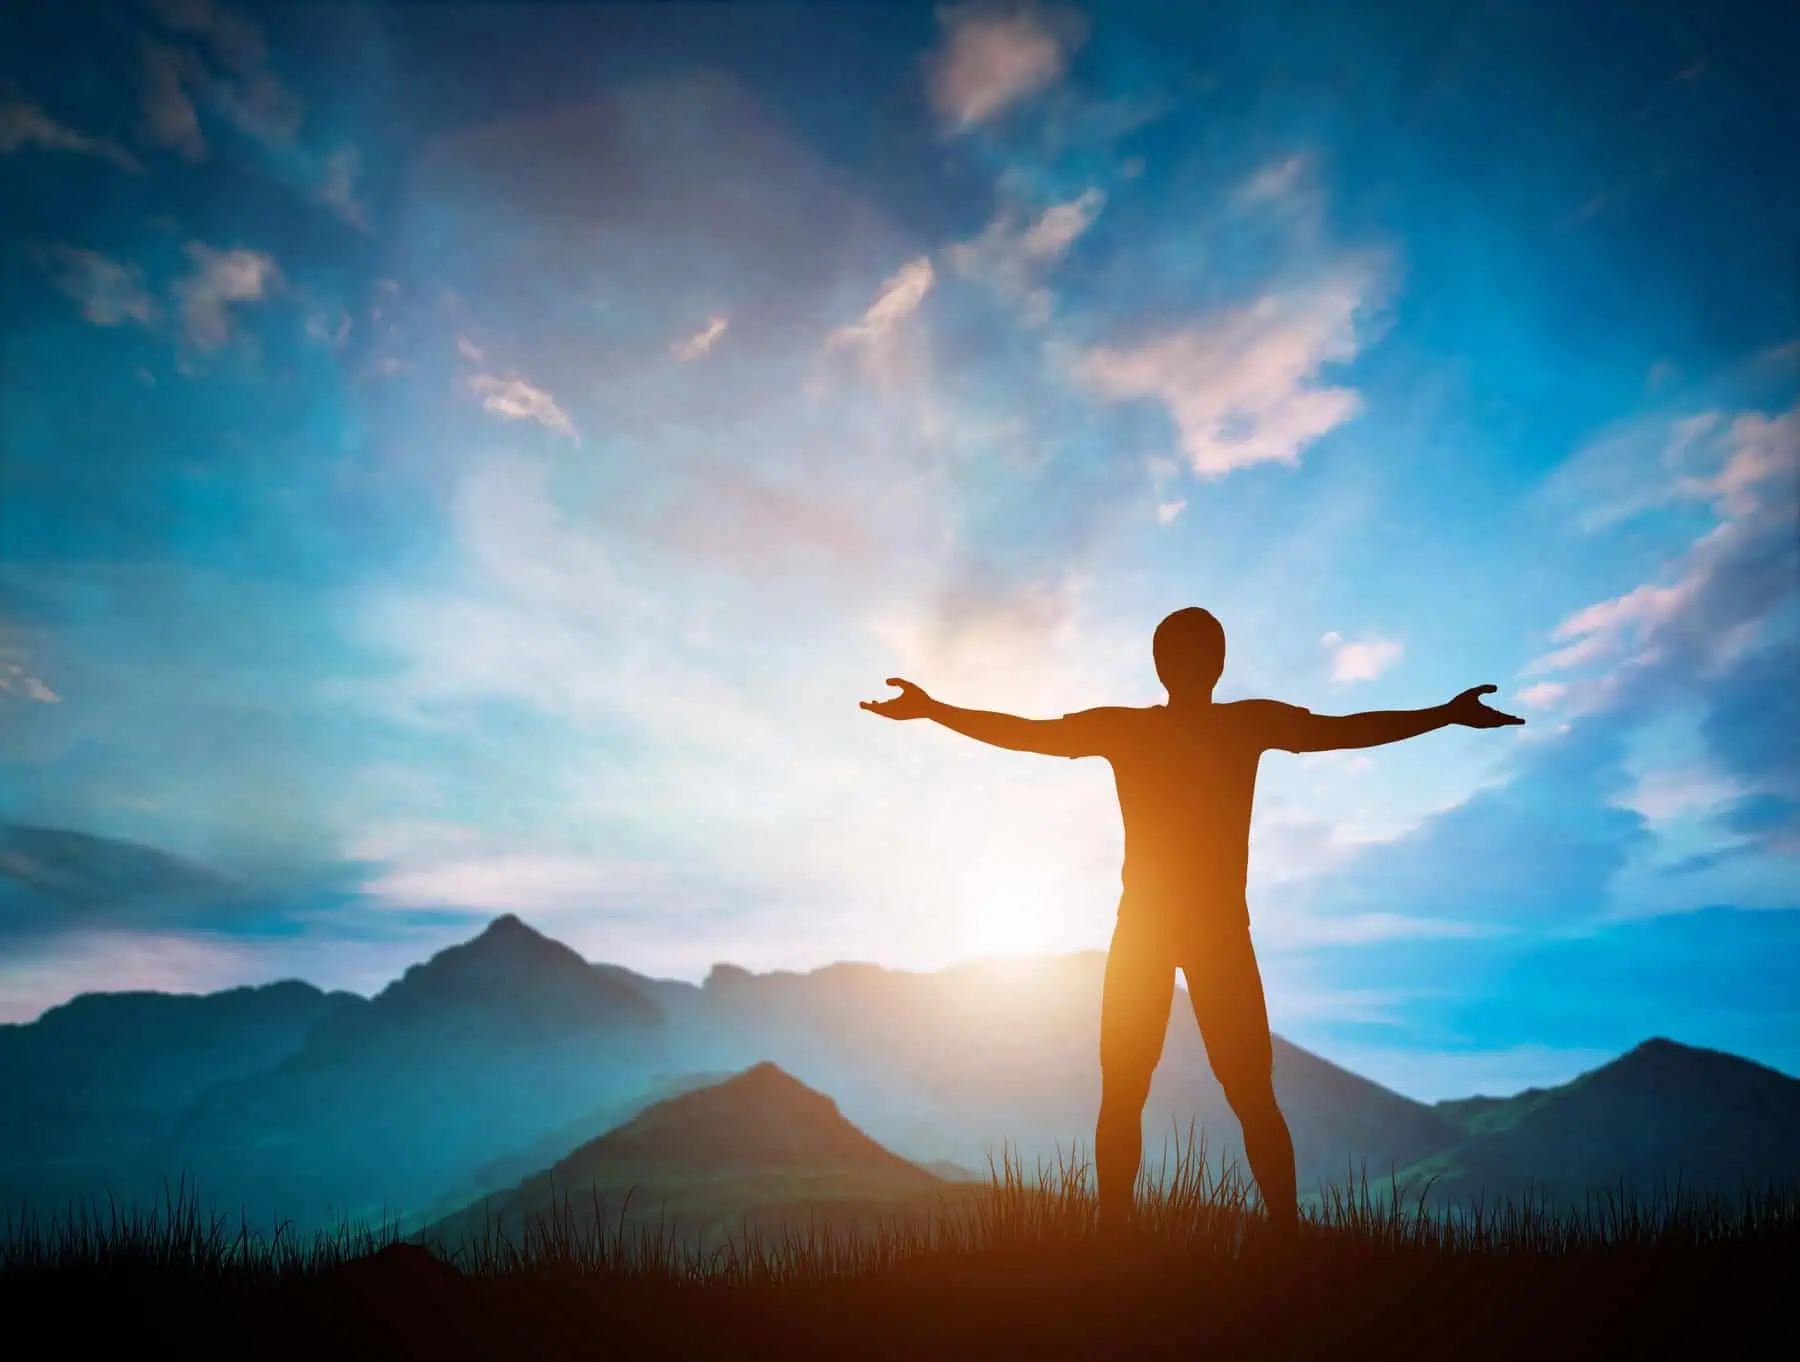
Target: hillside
1660	1115
471	1055
755	1149
95	1083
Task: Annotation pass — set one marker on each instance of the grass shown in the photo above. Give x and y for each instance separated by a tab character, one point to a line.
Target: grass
1017	1267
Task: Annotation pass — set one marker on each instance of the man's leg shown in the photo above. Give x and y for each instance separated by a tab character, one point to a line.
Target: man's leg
1134	1018
1225	987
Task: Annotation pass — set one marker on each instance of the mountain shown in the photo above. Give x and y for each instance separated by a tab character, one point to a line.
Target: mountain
758	1149
93	1083
1661	1114
473	1054
966	1062
504	1171
493	1059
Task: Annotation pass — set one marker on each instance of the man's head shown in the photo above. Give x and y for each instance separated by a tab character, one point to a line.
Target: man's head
1190	652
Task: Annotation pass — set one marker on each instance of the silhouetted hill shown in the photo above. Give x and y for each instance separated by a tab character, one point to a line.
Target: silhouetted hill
1660	1114
475	1053
92	1084
756	1148
509	983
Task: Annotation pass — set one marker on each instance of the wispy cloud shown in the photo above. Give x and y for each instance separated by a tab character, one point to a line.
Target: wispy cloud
992	57
1360	661
170	76
242	88
24	124
1542	694
1277	182
337	186
221	280
1012	257
517	400
15	680
696	345
109	292
1743	468
1242	386
900	296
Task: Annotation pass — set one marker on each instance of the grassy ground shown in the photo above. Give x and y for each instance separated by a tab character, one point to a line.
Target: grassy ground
1018	1270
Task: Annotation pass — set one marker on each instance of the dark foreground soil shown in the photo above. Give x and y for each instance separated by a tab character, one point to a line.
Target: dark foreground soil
1320	1300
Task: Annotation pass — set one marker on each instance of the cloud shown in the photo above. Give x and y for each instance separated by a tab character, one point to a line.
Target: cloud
517	400
1714	633
1166	511
1012	258
110	293
900	296
1557	805
521	882
170	119
1363	661
24	124
1543	694
236	42
1278	182
337	187
221	280
993	57
321	328
1717	592
1712	458
1662	795
235	85
1242	385
696	345
15	680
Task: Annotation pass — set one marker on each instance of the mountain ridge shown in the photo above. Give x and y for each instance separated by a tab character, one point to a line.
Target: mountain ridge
508	1050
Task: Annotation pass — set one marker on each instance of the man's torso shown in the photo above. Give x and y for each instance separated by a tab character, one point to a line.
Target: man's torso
1186	784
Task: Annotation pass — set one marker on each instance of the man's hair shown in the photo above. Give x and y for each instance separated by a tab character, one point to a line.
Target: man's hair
1189	648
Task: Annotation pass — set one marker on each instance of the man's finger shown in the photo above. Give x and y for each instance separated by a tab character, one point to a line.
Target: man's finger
1486	690
895	681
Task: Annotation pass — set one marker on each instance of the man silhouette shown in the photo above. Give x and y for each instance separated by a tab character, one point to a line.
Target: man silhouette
1186	776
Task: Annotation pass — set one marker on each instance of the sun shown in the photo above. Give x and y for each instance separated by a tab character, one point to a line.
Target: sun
1016	919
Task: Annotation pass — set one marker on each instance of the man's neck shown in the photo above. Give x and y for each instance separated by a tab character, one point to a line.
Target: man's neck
1187	703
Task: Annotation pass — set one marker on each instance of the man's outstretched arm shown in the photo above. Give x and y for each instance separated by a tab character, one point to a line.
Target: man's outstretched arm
1332	733
1051	737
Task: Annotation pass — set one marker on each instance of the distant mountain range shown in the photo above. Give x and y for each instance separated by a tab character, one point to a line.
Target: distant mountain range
509	1058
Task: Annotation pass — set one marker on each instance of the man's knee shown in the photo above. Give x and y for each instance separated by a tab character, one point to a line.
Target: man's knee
1252	1097
1124	1086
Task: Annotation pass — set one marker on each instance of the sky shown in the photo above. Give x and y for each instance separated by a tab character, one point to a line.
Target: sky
459	460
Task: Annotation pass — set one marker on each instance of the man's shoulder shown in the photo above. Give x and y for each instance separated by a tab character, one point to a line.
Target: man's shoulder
1259	708
1269	723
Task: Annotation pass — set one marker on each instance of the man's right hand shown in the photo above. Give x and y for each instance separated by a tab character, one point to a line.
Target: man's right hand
1467	710
910	703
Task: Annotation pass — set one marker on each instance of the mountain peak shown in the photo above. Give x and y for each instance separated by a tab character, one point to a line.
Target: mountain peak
509	927
762	1117
514	971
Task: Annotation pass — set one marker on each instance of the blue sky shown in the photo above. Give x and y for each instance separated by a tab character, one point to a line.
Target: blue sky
474	460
